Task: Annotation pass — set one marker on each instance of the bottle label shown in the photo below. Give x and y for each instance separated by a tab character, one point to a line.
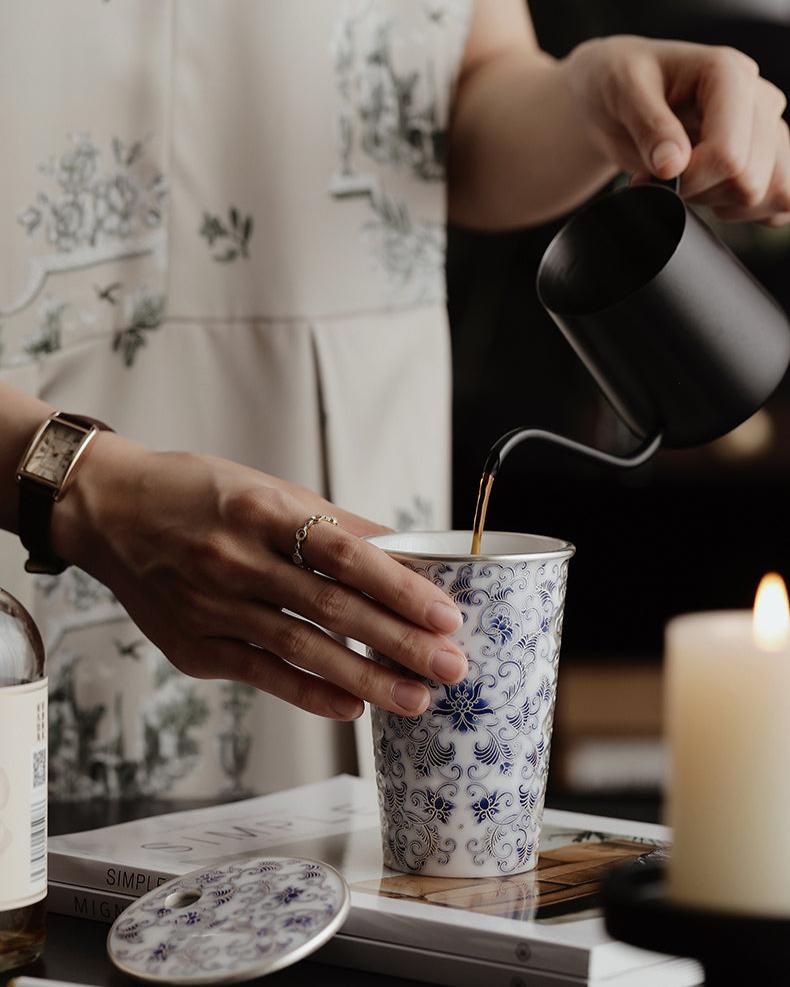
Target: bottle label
23	794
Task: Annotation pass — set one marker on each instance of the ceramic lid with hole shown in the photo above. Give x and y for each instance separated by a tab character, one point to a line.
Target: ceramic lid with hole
234	922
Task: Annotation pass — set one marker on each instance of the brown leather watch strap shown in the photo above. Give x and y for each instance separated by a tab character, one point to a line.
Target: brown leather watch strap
35	513
35	521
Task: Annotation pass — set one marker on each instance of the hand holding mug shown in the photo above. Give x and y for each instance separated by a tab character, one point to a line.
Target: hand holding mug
200	552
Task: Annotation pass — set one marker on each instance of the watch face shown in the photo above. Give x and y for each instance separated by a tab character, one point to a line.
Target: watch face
54	452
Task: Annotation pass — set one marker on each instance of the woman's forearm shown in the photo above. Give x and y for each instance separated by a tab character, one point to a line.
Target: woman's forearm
20	416
519	154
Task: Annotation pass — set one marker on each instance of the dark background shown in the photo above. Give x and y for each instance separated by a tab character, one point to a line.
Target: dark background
691	530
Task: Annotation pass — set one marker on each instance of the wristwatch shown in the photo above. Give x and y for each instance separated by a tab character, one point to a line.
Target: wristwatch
44	474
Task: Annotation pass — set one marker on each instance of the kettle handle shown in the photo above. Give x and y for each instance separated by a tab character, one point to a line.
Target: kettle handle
671	183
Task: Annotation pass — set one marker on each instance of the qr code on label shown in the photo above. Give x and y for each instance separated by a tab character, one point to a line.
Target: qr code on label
39	768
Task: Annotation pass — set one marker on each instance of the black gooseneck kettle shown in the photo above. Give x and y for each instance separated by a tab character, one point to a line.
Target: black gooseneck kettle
682	340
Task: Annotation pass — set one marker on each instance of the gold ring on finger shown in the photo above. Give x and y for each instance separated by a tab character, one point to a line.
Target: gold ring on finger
301	535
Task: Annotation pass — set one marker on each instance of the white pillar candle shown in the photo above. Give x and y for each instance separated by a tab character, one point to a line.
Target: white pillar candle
728	725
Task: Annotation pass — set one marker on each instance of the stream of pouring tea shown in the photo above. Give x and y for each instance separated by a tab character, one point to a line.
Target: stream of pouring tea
481	509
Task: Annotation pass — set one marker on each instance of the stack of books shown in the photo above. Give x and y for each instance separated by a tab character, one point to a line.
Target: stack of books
536	929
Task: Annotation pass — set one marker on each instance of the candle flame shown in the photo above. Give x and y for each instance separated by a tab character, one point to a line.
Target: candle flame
771	625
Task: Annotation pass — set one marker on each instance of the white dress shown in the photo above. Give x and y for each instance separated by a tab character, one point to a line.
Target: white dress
224	232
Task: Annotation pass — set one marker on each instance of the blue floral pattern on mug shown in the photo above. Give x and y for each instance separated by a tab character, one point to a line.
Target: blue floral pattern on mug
461	787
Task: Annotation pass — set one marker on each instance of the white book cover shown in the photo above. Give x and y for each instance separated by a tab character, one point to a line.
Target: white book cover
546	920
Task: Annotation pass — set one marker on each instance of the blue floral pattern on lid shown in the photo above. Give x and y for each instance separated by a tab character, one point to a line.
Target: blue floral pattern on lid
243	920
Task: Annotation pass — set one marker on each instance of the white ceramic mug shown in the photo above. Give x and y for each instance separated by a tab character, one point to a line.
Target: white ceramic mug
461	787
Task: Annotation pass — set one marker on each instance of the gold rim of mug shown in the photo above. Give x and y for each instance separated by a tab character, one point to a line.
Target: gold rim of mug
564	549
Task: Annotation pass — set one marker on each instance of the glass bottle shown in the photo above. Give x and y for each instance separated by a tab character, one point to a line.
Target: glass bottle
23	787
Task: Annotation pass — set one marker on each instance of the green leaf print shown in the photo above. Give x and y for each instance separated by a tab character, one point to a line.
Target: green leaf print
48	339
147	313
237	233
212	229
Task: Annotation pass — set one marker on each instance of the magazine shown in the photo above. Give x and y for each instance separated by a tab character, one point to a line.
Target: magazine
543	926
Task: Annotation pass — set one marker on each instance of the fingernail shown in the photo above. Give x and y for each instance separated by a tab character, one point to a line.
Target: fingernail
664	153
444	617
410	696
448	666
347	707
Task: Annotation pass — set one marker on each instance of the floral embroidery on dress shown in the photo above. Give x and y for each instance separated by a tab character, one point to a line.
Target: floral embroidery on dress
49	336
396	127
108	293
390	108
95	201
131	649
411	254
145	313
235	235
392	125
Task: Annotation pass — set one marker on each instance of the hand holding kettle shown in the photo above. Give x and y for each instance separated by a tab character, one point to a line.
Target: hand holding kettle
671	107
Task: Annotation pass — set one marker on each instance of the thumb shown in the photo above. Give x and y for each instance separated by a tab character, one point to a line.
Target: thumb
658	135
